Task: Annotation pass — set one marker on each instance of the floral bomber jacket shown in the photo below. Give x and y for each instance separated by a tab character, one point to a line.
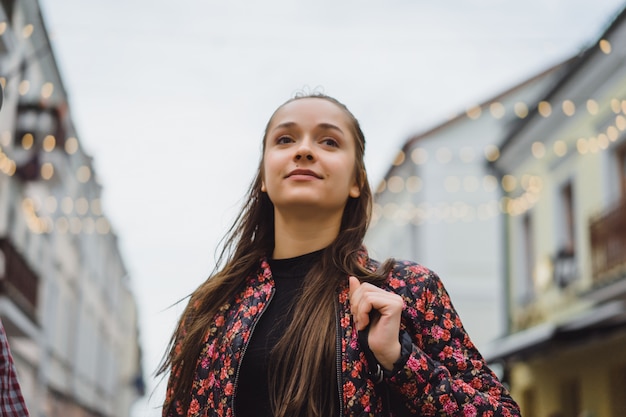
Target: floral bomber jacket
441	372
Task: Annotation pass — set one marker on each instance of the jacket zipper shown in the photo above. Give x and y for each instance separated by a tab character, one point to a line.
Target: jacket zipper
245	347
338	355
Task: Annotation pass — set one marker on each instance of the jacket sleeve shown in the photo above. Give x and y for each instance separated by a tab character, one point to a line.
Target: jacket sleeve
441	373
11	400
173	408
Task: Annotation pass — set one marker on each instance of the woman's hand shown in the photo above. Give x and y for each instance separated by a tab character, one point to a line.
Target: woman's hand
383	338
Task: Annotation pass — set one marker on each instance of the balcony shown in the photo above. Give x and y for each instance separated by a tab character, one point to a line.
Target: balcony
608	245
17	281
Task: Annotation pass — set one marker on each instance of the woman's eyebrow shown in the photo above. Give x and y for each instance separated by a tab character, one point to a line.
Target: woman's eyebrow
330	126
327	126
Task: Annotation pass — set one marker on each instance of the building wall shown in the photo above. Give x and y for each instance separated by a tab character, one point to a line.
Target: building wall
440	205
582	379
584	168
78	353
580	368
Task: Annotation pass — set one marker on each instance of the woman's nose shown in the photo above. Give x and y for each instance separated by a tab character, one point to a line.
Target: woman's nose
308	156
304	151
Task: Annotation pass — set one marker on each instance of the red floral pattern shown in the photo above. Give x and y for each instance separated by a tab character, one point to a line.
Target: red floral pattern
444	375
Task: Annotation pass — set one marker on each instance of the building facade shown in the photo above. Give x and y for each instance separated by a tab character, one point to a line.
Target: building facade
563	169
65	294
438	204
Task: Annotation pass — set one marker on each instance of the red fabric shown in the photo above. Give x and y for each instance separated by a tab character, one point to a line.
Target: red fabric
11	400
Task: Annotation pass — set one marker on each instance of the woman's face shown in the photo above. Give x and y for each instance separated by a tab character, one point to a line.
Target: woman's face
309	159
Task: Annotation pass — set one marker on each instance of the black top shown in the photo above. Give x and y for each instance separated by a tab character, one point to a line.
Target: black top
252	395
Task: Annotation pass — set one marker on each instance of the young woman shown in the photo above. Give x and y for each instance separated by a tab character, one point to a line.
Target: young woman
299	321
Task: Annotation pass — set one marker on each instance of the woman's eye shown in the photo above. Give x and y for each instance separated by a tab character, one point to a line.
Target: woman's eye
330	142
283	139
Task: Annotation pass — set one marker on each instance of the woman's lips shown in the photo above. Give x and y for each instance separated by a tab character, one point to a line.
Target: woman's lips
303	173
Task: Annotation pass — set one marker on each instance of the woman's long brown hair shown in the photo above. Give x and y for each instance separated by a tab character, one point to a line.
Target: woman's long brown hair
304	380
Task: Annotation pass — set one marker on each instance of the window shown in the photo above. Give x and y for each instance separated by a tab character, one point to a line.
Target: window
8	6
565	259
528	257
528	406
618	387
571	397
621	163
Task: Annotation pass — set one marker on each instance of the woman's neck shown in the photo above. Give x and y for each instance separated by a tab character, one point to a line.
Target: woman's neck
298	235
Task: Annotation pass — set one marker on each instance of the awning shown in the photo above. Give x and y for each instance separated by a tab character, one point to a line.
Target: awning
536	339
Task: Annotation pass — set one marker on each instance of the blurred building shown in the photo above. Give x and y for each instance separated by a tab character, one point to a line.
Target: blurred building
438	204
563	169
65	297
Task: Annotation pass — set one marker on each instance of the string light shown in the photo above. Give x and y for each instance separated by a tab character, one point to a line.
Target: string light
89	225
23	87
50	204
449	212
490	183
470	184
544	108
492	153
474	112
616	106
382	186
96	207
7	165
49	142
452	184
521	110
67	205
47	89
592	107
467	154
612	133
603	141
414	184
399	160
47	170
395	184
620	122
569	108
605	46
83	174
538	150
27	31
82	206
560	148
5	138
497	110
419	156
27	141
76	225
509	183
444	155
63	224
102	226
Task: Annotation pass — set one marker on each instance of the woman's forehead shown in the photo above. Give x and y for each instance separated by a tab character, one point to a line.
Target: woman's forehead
310	110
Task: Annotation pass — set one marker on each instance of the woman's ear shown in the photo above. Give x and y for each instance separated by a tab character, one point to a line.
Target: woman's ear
355	189
263	187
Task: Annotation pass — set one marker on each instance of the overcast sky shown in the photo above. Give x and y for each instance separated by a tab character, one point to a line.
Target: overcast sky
171	98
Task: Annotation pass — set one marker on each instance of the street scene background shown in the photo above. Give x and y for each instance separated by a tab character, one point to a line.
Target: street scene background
171	99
